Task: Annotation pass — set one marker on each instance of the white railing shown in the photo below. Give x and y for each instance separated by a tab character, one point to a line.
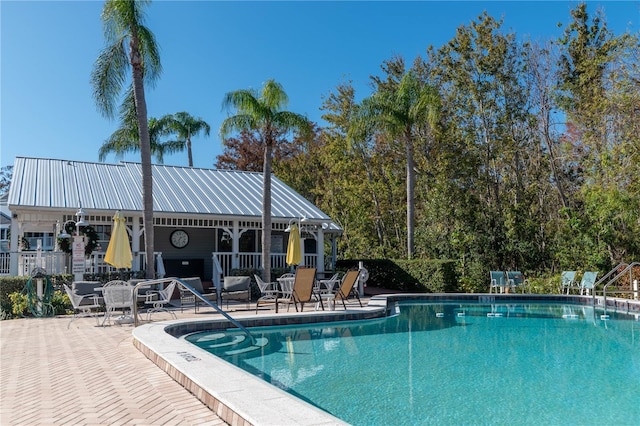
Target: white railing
5	263
59	262
254	261
54	262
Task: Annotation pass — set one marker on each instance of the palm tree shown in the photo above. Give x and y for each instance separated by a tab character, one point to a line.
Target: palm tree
260	112
127	138
185	126
131	46
399	112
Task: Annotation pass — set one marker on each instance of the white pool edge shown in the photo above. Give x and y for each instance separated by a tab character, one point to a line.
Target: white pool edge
237	397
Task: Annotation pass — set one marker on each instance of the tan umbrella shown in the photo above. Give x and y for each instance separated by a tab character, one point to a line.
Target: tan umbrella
294	254
119	251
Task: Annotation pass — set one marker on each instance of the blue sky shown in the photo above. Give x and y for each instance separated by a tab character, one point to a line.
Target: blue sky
209	48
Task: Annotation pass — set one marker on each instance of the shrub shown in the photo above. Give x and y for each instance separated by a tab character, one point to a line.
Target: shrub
418	275
14	302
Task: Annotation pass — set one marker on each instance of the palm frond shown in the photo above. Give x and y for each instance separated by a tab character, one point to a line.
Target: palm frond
237	123
108	77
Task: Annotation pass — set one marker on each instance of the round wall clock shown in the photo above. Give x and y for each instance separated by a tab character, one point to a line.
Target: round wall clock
179	238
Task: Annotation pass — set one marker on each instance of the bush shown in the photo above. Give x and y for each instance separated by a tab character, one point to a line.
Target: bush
418	275
13	302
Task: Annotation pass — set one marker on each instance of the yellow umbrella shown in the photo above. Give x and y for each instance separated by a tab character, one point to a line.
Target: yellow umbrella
119	251
294	254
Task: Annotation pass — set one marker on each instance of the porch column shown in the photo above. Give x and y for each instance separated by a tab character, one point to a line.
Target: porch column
320	250
235	245
136	232
16	230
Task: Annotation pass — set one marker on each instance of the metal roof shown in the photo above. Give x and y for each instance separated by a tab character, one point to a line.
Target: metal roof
63	184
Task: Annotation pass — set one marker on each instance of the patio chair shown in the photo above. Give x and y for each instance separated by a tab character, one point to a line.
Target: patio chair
186	297
587	282
347	287
160	299
118	295
498	281
236	288
268	292
83	304
303	284
516	280
327	286
567	281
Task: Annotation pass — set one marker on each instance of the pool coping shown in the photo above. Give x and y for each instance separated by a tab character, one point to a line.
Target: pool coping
234	395
240	398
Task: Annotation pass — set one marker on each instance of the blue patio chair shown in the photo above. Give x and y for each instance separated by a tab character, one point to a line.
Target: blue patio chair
516	280
567	281
587	282
498	280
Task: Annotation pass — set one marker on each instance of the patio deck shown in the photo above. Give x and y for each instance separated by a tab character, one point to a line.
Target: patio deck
51	375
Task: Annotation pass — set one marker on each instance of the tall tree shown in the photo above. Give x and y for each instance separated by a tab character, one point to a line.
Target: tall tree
6	173
185	125
399	110
126	139
246	153
261	112
598	83
131	47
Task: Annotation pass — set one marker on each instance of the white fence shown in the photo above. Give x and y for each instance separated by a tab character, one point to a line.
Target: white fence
54	262
59	262
254	261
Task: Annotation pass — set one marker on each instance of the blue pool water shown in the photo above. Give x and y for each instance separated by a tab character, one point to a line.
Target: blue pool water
452	363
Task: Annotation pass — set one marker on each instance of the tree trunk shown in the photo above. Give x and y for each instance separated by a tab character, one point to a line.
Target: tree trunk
266	212
411	177
189	149
145	157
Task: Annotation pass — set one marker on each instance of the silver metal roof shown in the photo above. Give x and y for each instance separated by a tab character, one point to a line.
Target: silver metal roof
62	184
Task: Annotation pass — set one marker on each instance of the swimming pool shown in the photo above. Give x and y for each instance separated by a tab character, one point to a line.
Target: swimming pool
520	362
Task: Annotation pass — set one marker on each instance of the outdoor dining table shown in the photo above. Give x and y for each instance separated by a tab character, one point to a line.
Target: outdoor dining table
124	318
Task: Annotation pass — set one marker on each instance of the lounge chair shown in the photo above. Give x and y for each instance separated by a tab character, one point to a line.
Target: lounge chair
516	280
268	292
587	282
567	281
159	300
186	297
236	288
83	304
347	287
303	284
498	281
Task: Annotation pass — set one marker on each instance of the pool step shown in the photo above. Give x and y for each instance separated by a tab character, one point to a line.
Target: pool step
223	344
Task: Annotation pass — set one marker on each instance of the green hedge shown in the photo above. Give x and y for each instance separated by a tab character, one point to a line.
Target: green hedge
9	285
419	275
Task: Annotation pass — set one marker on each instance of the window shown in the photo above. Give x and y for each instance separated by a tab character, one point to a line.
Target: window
104	235
47	238
248	242
310	246
224	241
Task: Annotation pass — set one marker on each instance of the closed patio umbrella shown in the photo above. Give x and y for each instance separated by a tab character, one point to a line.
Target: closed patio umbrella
160	271
294	254
119	251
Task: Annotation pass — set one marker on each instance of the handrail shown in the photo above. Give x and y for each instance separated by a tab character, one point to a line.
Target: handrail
607	275
629	268
195	293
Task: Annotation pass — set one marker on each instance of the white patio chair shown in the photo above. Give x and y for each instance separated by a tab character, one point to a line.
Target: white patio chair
159	300
268	292
83	304
118	295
